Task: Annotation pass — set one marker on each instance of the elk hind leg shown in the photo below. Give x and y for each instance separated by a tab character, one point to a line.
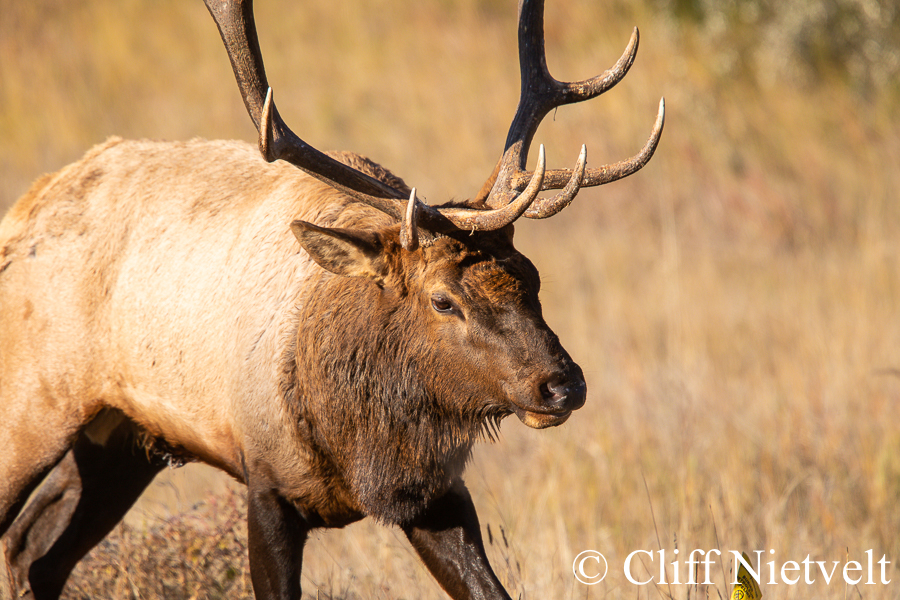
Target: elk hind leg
27	457
83	498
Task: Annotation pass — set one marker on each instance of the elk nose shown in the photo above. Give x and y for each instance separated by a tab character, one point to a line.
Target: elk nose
564	393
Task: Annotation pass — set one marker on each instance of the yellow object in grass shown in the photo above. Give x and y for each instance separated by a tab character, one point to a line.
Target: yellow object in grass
746	587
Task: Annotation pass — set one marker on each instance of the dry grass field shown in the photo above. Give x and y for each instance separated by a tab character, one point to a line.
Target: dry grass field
735	305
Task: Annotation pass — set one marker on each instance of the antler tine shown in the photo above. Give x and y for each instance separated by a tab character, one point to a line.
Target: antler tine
409	230
469	219
540	93
557	178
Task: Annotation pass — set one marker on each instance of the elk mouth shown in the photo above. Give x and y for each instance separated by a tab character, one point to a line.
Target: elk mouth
542	420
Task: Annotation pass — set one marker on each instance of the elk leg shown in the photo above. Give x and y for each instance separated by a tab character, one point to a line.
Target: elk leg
37	428
17	483
276	534
14	505
83	498
448	539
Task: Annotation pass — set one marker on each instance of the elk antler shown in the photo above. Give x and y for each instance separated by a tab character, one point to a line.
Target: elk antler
237	27
540	93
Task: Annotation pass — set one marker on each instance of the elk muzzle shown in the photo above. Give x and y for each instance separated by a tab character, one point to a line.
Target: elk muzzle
560	393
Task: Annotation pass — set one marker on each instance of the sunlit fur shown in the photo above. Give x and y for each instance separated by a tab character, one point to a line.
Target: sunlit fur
160	285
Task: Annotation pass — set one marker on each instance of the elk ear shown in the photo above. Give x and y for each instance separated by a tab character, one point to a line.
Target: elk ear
345	252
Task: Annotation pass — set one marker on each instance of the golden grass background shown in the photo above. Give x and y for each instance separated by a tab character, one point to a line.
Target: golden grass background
735	305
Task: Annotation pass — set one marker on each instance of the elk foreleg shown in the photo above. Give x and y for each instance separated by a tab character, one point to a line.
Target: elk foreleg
448	539
276	534
82	499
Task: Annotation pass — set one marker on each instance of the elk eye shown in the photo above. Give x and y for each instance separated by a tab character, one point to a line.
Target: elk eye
441	304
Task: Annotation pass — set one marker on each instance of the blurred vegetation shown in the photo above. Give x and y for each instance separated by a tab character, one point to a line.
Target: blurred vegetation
734	305
856	42
201	553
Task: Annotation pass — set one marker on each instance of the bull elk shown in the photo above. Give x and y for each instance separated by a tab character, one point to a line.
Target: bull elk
301	321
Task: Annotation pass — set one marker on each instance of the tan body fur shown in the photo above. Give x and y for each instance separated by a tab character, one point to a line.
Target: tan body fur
181	327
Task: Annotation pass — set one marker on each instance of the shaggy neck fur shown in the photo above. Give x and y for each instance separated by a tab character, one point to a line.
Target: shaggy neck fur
378	409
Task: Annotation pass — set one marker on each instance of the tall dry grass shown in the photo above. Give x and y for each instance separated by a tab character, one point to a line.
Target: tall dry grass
735	306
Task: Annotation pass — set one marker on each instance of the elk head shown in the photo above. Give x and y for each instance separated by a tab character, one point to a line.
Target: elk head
455	266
